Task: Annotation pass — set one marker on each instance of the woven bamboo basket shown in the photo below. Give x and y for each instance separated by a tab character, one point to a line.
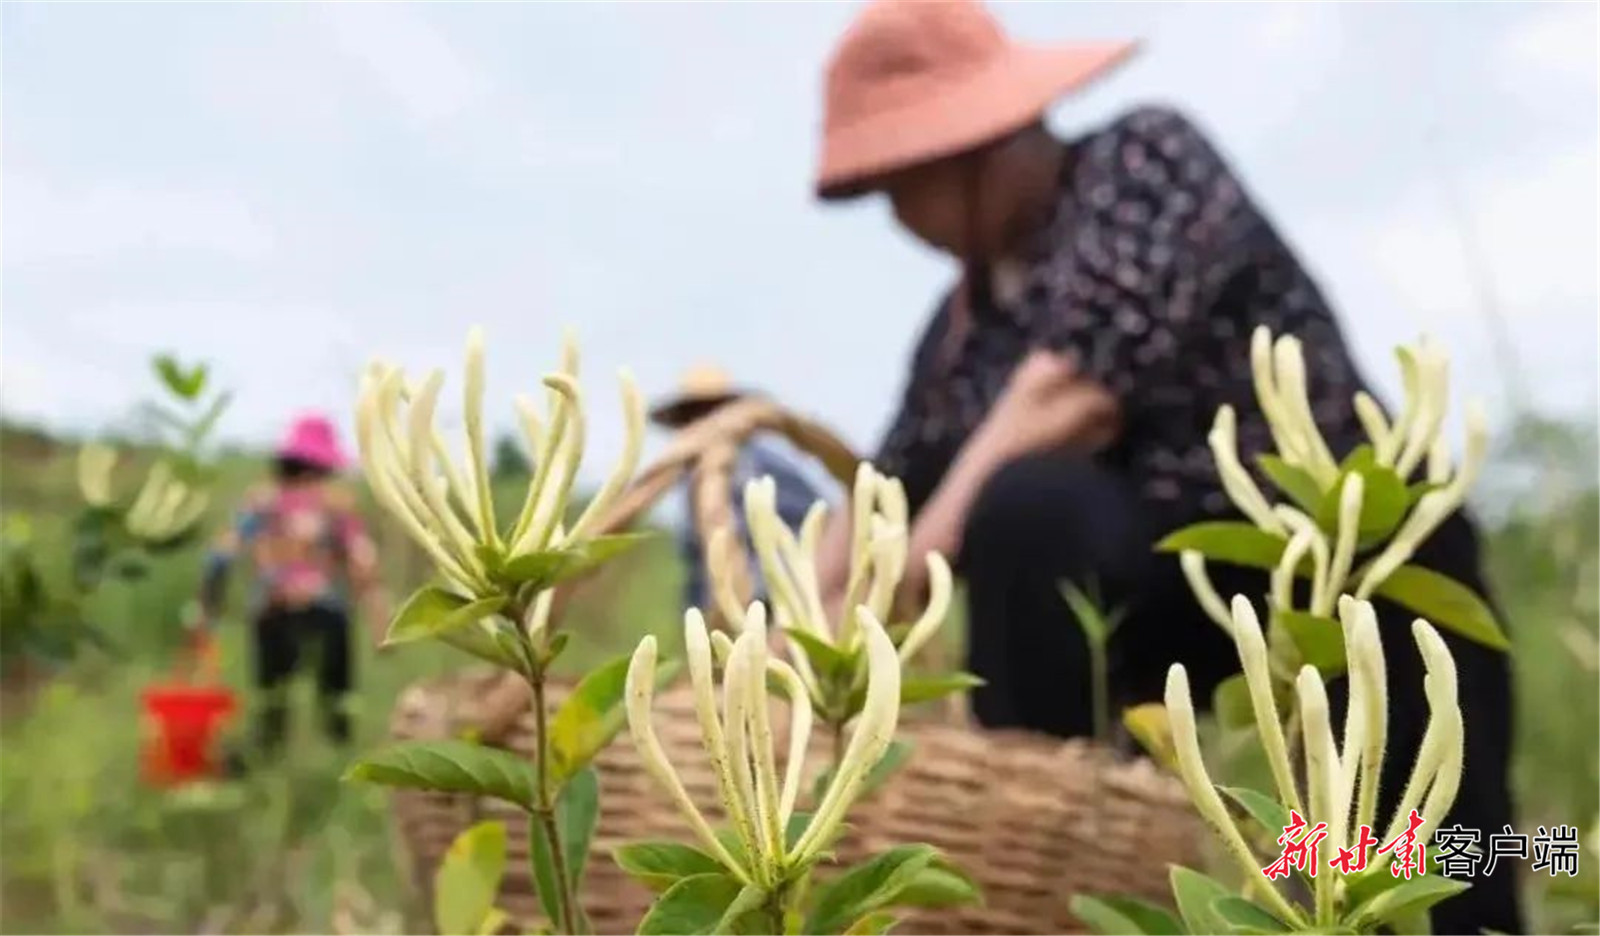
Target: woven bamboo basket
1033	820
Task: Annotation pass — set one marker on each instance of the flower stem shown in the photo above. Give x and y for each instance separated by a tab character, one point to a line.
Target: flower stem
564	899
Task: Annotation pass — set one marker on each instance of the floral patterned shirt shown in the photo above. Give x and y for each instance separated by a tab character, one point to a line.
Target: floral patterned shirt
306	543
1154	272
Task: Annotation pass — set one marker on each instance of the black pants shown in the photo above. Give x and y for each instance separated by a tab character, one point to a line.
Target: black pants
288	641
1048	519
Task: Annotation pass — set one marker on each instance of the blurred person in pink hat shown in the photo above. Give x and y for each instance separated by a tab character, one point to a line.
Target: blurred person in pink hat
310	553
1054	419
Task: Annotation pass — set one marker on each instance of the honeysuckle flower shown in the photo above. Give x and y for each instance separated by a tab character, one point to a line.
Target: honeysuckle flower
165	508
878	555
1341	782
1433	508
739	742
446	506
1414	441
95	465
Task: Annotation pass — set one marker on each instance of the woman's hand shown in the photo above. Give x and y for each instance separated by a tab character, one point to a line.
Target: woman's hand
1046	405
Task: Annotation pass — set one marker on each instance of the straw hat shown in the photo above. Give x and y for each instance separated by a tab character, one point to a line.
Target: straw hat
704	386
918	80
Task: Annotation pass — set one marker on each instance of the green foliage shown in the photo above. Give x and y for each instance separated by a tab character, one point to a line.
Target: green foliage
1124	915
1228	541
1444	602
659	865
468	881
1197	896
449	767
1384	502
1319	639
1295	482
867	887
694	905
593	714
432	612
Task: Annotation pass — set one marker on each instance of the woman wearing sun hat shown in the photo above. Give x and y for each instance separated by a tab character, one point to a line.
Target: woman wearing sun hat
1054	419
309	550
702	391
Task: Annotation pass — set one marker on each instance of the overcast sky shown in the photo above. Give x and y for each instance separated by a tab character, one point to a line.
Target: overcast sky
287	189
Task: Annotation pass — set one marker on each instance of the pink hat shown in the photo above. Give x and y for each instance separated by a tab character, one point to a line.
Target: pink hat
313	440
918	80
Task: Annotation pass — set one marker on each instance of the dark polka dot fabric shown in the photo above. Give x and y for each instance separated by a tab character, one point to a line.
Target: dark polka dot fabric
1154	273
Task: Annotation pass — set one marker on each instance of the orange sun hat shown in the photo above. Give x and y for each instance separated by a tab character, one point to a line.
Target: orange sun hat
917	80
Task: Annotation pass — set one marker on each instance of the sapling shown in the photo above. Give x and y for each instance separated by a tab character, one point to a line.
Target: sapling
494	596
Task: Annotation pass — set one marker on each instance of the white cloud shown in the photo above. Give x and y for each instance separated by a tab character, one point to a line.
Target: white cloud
45	221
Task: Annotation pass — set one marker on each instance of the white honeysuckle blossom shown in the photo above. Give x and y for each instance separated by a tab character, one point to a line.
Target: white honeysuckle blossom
739	741
1414	441
96	462
879	537
1341	784
446	506
165	508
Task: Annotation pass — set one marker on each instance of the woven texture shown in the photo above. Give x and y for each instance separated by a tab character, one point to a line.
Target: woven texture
1032	820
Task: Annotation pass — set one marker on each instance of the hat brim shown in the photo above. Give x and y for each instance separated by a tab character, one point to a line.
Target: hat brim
1005	97
677	411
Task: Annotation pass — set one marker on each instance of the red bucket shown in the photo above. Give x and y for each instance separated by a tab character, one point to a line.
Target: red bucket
183	721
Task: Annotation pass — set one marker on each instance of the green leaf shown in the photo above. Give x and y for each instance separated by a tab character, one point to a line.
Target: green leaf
659	865
1096	623
1232	704
940	884
691	907
468	879
827	661
1148	724
1320	640
914	689
493	639
449	767
894	756
208	420
873	924
552	566
1116	915
577	812
593	714
1384	500
183	383
432	611
1292	480
869	886
1243	914
750	899
493	922
1227	541
1195	894
1272	815
1444	602
1361	457
1412	897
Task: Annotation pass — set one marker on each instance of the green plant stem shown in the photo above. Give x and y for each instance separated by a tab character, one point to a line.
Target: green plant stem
545	811
1098	683
838	745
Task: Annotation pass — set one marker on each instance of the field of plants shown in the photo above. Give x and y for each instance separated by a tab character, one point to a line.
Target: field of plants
89	848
